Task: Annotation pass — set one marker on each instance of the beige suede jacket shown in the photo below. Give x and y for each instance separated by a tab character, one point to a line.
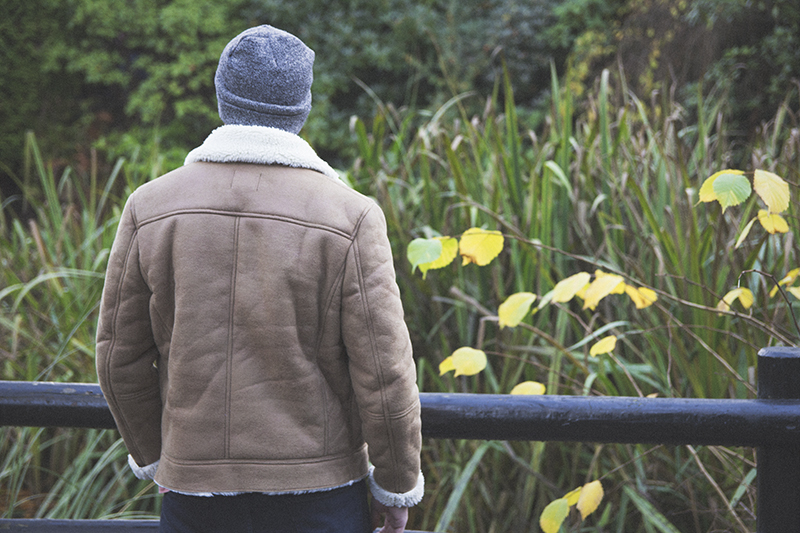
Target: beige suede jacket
251	335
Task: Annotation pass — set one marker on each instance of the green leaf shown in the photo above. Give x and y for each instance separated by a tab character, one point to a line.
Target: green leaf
731	189
421	251
707	193
449	252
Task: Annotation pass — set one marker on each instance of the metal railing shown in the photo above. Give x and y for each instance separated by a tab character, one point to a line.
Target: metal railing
771	424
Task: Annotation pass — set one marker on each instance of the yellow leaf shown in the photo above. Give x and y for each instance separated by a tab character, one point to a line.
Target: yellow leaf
619	289
582	293
446	366
573	496
795	291
773	190
590	498
788	279
772	222
449	252
745	297
513	310
531	388
480	246
465	361
553	515
604	345
707	193
567	288
642	296
603	285
744	234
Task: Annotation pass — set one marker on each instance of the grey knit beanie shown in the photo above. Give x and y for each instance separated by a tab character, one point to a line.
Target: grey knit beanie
264	79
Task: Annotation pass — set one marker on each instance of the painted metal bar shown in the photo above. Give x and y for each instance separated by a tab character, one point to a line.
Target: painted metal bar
778	463
45	525
87	526
611	419
677	421
770	423
45	404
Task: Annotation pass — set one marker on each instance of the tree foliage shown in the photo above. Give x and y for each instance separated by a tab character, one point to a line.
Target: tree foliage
76	70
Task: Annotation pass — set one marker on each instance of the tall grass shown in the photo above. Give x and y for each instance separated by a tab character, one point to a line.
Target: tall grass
609	182
53	254
612	184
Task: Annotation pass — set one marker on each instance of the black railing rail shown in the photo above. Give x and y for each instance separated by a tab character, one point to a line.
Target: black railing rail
770	423
45	525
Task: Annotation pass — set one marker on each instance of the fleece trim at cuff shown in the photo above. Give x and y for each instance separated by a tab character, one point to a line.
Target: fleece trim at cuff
395	499
235	143
142	472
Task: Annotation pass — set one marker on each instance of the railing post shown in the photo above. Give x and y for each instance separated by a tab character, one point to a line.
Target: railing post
778	466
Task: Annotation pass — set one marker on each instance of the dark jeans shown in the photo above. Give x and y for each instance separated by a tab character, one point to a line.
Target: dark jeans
342	510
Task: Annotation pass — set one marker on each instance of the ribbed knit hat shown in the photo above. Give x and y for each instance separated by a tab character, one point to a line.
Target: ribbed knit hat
264	79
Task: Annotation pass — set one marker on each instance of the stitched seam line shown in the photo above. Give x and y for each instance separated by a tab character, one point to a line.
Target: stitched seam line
239	214
395	416
329	302
114	396
372	340
134	395
300	461
229	363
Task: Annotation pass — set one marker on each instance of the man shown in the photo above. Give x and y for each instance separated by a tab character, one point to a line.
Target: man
251	342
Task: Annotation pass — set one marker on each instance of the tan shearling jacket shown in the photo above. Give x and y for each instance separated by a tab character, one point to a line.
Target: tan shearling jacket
251	335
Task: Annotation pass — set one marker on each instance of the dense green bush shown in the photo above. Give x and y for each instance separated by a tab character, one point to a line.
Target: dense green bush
88	67
76	70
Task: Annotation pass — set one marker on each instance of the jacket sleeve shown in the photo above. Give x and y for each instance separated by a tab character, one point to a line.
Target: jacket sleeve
381	365
126	351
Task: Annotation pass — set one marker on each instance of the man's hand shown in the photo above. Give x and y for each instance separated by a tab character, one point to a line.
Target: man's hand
396	517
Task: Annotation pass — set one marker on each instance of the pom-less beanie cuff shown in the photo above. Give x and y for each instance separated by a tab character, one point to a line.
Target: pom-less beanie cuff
264	78
281	117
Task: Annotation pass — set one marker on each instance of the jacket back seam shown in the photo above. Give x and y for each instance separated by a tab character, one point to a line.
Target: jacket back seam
240	214
229	361
113	343
372	341
329	302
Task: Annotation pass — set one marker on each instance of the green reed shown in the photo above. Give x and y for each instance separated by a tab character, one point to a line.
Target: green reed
53	253
607	181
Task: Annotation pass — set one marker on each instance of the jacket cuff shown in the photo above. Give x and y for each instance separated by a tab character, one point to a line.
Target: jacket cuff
396	499
142	472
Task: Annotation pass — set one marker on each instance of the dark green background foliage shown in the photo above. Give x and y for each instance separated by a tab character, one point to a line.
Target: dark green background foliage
75	71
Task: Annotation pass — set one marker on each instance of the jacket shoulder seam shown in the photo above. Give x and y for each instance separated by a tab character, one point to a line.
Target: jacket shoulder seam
241	214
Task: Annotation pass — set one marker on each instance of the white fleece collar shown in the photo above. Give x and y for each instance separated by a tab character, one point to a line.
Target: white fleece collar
233	143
